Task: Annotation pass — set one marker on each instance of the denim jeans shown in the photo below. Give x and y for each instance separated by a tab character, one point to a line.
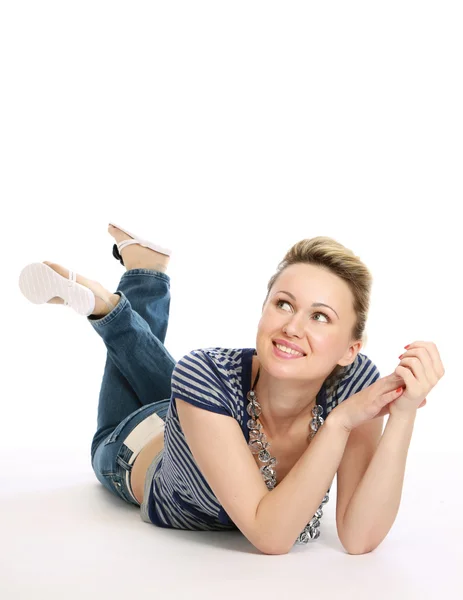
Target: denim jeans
136	384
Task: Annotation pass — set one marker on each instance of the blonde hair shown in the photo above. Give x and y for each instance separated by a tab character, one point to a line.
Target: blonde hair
329	254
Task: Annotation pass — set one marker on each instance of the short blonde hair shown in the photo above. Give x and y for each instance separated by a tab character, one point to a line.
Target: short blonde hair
329	254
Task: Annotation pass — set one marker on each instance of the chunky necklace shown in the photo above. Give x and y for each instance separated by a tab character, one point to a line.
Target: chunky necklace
259	445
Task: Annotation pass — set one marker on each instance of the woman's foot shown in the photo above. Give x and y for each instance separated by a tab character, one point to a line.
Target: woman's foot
139	257
104	300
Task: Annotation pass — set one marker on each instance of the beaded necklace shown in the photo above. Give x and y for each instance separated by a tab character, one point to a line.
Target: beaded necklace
259	445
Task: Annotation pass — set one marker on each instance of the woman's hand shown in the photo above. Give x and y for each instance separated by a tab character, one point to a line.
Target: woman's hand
369	403
400	393
420	369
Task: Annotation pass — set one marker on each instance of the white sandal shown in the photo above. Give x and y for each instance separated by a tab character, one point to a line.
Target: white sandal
39	283
136	240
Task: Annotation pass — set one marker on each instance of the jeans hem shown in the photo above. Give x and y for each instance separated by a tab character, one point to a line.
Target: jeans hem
123	302
148	272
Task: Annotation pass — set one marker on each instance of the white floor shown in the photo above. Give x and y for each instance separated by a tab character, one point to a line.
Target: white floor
64	536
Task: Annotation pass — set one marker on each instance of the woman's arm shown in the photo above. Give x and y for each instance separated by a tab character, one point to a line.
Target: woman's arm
284	511
373	507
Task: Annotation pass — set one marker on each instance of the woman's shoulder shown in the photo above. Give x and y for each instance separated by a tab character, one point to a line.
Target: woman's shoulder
222	358
211	378
360	370
215	365
349	380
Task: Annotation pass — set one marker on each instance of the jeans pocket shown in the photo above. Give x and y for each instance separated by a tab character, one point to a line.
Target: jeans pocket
117	485
115	434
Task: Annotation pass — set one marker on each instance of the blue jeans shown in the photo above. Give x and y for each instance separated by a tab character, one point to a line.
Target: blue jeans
137	375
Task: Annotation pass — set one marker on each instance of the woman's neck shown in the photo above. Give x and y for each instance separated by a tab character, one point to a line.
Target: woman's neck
284	404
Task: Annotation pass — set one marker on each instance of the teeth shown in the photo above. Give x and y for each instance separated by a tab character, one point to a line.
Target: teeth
288	350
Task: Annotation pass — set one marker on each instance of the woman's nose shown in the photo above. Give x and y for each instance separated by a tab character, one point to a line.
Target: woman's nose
294	326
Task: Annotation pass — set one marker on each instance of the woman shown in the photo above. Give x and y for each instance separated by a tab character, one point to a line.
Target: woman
165	440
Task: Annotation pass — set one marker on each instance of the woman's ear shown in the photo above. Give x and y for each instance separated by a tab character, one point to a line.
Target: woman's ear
351	353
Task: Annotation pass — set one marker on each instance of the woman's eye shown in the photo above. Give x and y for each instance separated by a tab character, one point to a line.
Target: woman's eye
326	316
283	302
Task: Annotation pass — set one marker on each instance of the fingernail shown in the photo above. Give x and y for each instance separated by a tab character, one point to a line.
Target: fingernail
408	346
400	356
398	390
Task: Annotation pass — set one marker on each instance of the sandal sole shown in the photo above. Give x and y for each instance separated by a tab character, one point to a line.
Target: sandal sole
39	283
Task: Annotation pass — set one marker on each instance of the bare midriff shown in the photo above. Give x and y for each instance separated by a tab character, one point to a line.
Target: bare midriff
142	462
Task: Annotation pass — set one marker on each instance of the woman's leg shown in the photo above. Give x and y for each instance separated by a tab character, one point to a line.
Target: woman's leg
138	367
135	392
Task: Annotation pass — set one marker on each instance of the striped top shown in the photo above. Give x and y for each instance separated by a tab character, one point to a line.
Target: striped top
218	379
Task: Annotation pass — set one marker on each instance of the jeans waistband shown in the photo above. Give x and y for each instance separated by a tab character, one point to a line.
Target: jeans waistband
135	442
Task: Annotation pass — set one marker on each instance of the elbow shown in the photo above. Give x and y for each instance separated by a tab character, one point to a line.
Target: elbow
270	548
355	546
356	551
274	551
269	545
358	548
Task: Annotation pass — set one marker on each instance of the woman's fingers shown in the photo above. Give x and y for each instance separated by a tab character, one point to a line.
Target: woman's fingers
387	384
421	369
433	352
420	363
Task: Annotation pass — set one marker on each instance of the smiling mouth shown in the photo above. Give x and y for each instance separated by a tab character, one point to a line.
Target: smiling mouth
291	352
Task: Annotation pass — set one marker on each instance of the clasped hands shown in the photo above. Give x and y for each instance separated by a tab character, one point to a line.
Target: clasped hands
399	394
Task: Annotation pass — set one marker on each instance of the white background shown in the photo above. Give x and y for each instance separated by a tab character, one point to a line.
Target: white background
227	131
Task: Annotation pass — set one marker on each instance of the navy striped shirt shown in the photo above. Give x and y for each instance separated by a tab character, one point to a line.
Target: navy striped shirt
218	379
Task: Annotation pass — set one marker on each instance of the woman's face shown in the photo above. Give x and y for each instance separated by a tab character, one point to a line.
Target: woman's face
322	333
